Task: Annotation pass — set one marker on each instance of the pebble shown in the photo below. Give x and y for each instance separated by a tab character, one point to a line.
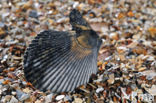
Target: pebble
108	58
48	98
22	96
11	42
78	100
38	101
98	90
59	97
150	58
75	4
111	79
68	98
24	83
27	90
99	79
1	25
114	36
4	15
7	98
33	14
134	87
1	81
152	90
125	95
13	100
150	74
134	94
61	20
13	93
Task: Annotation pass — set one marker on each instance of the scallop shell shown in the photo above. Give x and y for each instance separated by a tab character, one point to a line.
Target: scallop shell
56	61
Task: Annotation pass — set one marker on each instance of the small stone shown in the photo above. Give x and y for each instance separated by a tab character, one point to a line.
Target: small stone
12	75
92	14
13	93
150	58
13	100
152	32
61	20
133	44
114	36
150	74
15	86
134	87
134	94
22	96
2	33
125	95
33	14
78	100
104	29
142	69
12	69
121	16
75	4
24	83
99	101
84	89
98	90
68	98
27	90
7	98
99	79
11	42
31	99
59	97
1	25
130	14
27	5
1	77
38	101
152	90
6	82
121	49
48	98
4	15
108	58
128	90
111	79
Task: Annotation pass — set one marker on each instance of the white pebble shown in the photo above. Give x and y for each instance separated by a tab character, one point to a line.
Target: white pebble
59	97
99	90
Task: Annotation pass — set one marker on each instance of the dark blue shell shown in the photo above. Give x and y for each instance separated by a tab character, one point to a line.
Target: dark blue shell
58	62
